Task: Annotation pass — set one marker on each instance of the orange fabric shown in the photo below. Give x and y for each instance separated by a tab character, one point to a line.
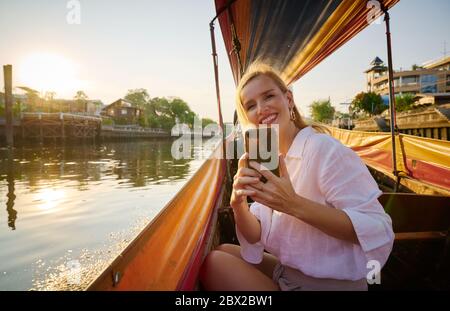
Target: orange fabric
421	159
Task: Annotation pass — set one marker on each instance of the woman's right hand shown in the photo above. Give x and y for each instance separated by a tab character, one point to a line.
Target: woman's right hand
244	176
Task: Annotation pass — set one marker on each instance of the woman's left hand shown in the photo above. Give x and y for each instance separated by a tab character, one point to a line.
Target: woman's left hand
278	192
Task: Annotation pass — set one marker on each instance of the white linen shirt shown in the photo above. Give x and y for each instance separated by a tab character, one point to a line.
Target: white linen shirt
323	170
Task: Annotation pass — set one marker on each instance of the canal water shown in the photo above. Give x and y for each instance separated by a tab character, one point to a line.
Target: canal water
75	207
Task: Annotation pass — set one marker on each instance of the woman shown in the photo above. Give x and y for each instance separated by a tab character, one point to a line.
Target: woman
320	222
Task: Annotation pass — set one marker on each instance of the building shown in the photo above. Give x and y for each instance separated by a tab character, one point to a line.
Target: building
28	100
432	77
122	112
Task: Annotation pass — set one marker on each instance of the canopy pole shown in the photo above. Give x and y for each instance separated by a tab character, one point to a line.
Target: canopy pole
216	72
219	107
391	95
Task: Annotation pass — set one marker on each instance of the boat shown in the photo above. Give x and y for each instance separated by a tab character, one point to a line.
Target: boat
413	172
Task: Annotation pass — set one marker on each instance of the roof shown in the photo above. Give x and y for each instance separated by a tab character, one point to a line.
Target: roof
436	63
292	36
121	103
377	62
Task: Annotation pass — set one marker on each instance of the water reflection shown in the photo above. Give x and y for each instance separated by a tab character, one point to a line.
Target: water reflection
138	163
42	168
12	213
75	198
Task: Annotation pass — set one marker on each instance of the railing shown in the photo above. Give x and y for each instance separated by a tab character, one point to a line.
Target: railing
133	128
59	115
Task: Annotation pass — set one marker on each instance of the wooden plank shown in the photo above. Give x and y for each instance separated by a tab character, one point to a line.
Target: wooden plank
436	133
421	235
444	133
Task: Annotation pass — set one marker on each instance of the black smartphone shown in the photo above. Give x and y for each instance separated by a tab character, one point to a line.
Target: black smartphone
261	144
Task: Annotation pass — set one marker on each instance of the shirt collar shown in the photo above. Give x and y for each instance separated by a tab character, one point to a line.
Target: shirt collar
298	144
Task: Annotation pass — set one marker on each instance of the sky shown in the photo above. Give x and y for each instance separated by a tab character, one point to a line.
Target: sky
164	47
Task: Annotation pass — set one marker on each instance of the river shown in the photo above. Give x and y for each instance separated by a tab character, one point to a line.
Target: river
78	205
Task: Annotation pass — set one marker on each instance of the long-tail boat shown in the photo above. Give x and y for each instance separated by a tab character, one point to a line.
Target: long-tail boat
413	172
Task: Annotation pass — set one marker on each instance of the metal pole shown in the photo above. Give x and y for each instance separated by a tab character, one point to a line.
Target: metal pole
391	97
216	78
216	74
7	74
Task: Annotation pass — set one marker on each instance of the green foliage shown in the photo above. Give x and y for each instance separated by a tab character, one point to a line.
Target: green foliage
340	115
81	100
321	110
138	98
107	121
370	103
80	96
404	102
160	112
207	121
17	108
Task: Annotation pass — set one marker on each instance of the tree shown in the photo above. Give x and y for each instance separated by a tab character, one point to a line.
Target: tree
321	110
404	102
416	67
49	97
81	99
138	98
207	121
370	103
168	112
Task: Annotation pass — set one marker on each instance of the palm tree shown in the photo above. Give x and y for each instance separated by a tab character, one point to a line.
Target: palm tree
82	100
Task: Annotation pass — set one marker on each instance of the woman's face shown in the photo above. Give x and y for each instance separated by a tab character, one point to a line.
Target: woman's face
265	103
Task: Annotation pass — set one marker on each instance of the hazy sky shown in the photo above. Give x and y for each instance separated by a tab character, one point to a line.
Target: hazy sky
164	46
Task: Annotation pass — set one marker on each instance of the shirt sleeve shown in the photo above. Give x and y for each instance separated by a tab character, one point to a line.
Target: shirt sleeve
348	185
252	253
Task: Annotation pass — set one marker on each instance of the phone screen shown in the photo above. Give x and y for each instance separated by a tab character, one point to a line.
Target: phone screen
261	144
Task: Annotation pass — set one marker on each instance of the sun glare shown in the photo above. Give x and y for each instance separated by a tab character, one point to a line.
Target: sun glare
49	198
49	72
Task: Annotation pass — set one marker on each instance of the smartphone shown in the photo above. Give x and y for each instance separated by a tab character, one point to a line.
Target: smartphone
261	144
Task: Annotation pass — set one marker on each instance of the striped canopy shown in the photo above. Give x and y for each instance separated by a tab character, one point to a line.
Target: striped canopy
291	35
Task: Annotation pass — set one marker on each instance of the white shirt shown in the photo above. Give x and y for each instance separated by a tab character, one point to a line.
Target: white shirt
323	170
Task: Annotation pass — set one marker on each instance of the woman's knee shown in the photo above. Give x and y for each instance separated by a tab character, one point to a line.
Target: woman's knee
213	265
230	249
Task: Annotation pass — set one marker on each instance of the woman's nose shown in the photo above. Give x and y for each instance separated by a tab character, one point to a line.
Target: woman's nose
261	108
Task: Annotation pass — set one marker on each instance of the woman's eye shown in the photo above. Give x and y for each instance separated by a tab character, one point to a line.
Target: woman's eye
250	107
269	96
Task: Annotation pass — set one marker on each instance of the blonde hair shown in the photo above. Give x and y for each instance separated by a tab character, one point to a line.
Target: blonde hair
258	69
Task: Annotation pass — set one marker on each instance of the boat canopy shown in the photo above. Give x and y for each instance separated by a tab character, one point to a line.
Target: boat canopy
293	36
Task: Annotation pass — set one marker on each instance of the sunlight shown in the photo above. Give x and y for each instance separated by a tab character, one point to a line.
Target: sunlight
49	72
49	198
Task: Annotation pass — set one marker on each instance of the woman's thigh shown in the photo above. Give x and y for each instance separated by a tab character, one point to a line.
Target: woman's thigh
266	266
224	271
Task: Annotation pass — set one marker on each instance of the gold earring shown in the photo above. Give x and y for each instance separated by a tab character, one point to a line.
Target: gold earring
293	116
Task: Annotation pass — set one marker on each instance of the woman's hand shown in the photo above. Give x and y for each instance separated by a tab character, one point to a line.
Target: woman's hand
243	178
278	192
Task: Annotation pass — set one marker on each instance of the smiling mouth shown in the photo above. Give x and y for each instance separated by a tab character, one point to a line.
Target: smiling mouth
269	119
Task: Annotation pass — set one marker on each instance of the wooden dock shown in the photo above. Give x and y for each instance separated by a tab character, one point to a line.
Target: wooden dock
41	125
